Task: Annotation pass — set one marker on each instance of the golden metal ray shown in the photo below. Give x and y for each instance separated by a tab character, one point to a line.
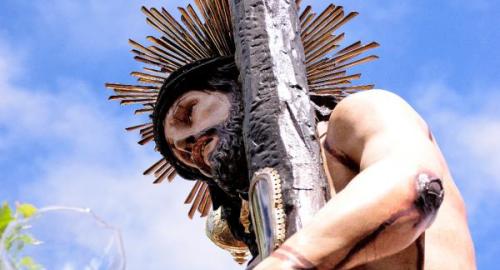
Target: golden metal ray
136	101
161	170
151	76
155	166
353	46
197	200
172	173
306	12
355	52
320	53
323	15
327	28
326	25
344	88
357	62
207	208
139	126
307	20
319	83
160	179
143	111
184	39
125	87
146	130
204	201
193	192
146	140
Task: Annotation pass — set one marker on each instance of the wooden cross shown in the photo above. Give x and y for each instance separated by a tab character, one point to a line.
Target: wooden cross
279	124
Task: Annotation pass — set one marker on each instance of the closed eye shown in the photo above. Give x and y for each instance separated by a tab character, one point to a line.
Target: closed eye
184	112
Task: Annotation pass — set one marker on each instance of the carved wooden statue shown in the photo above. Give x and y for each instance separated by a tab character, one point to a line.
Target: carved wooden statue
253	100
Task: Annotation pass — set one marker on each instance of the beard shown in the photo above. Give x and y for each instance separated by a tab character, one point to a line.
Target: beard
230	175
228	162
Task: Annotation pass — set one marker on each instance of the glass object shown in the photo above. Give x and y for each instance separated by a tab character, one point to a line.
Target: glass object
61	238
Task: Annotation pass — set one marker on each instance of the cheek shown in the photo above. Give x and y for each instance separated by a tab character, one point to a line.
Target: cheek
211	113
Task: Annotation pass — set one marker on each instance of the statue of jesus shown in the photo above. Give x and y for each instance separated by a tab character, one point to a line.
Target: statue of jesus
394	204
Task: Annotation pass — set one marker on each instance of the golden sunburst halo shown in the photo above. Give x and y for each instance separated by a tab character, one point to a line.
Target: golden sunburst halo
206	32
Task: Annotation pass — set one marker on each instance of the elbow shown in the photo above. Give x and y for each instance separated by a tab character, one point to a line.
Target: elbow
414	214
419	204
429	196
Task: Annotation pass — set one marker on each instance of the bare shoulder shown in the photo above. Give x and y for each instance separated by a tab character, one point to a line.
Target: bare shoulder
376	123
375	111
379	127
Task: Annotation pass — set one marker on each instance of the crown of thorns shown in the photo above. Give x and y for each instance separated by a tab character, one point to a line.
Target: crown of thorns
207	34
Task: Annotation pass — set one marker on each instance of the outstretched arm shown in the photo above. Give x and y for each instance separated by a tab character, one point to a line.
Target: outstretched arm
385	207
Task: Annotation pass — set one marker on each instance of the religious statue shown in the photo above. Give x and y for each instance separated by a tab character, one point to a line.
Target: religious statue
292	164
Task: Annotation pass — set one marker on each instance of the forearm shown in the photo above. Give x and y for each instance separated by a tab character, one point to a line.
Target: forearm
381	212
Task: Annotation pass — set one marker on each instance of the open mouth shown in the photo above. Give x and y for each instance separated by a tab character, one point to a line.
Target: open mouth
200	153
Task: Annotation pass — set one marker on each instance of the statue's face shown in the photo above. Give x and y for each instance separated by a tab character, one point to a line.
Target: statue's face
202	126
190	127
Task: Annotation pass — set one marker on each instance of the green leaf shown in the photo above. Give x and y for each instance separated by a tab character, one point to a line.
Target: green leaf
11	239
29	263
6	217
16	240
26	210
27	239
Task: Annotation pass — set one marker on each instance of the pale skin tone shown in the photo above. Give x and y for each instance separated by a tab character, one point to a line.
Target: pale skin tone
377	150
187	119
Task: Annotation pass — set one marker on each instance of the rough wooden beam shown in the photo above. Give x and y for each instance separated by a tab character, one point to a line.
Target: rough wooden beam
279	125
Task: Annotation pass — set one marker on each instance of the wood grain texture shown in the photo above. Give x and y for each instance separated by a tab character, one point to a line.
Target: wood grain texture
279	124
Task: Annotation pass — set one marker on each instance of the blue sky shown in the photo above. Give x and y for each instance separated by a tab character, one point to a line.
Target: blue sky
62	142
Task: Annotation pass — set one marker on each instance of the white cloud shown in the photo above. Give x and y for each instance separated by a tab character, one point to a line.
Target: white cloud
93	25
467	126
89	161
156	231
